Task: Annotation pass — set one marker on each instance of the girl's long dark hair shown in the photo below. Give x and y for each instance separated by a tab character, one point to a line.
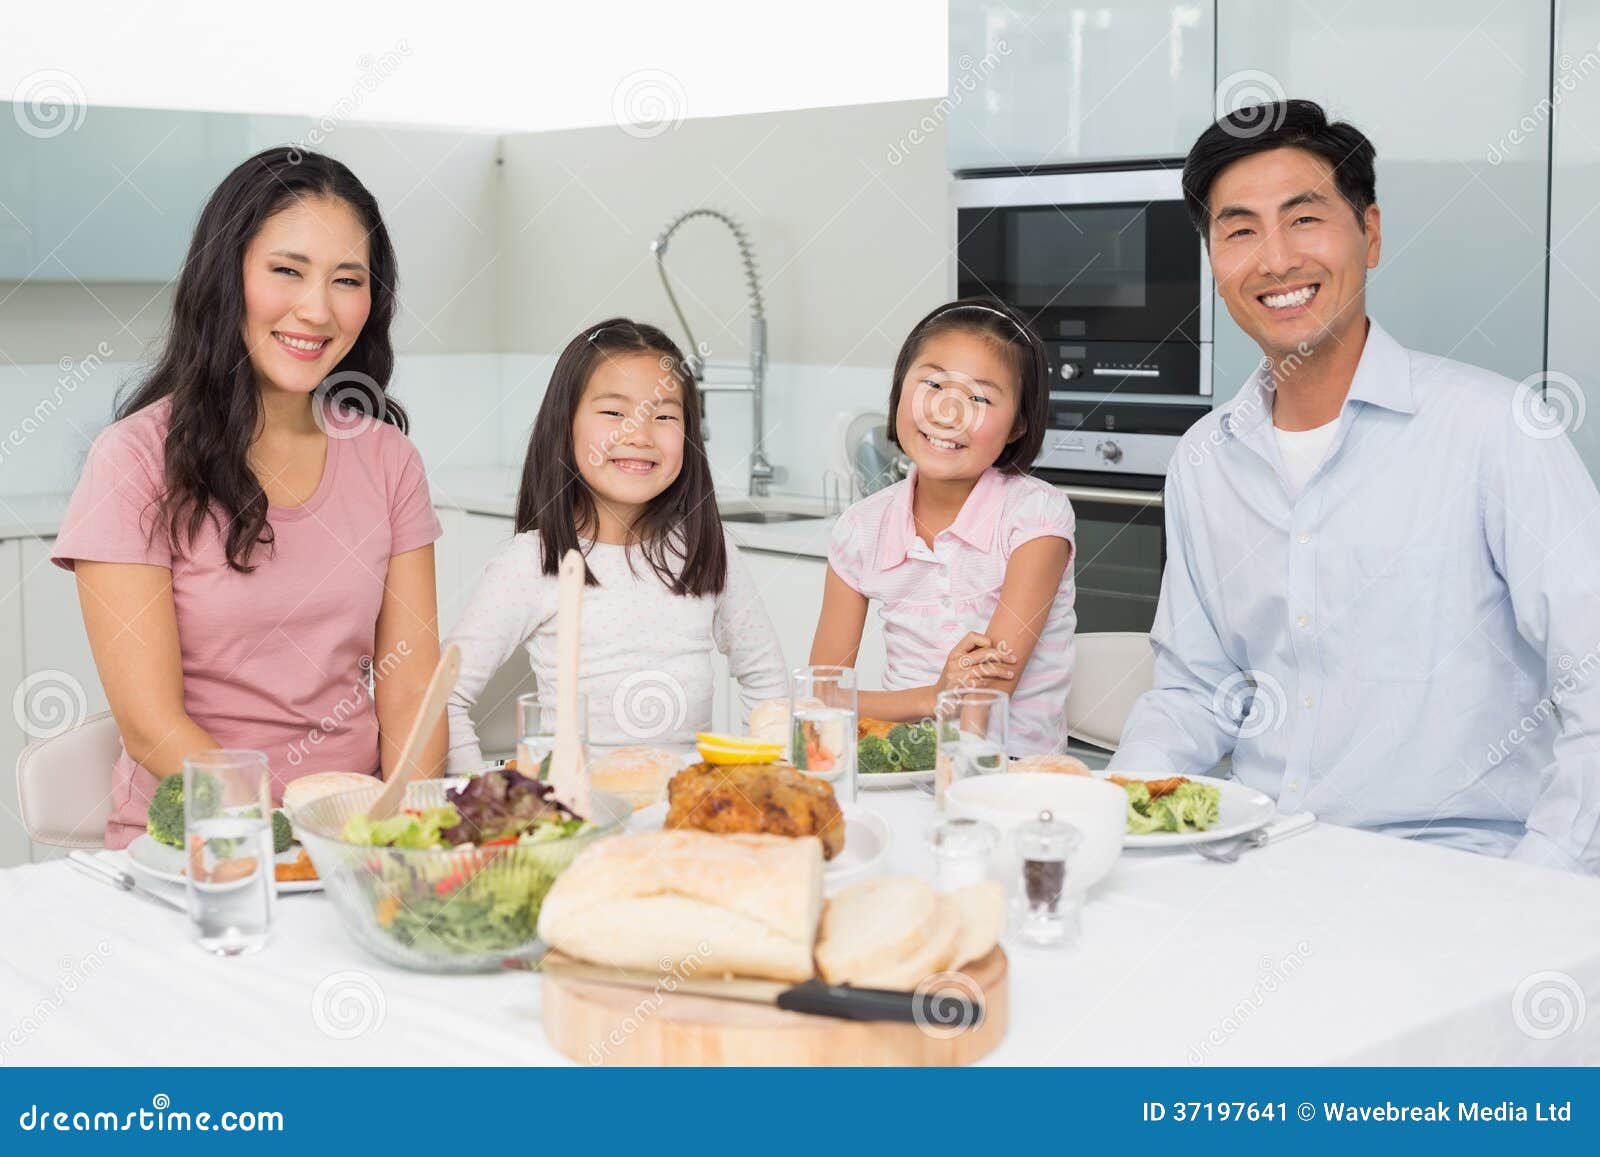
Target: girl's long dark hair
205	369
680	531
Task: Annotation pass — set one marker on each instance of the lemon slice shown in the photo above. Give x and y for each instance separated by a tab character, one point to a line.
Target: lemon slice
735	742
723	757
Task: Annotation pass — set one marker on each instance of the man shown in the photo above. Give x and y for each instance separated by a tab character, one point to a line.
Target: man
1382	591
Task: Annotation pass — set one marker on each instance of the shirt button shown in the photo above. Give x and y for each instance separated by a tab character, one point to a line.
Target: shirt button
1309	701
1294	785
1303	621
1302	538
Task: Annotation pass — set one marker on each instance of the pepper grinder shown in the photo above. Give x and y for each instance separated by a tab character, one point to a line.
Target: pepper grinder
1049	911
961	850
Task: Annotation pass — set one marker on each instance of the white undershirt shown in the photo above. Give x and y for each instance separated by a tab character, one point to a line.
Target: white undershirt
1304	450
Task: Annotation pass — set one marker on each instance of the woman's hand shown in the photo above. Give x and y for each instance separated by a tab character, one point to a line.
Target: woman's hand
977	661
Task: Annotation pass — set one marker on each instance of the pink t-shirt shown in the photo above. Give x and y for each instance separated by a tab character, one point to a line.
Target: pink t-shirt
277	659
930	598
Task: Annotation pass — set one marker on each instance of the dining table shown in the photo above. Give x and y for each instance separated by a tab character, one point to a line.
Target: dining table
1333	946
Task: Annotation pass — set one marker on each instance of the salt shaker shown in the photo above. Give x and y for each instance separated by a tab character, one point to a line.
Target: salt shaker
1049	912
961	851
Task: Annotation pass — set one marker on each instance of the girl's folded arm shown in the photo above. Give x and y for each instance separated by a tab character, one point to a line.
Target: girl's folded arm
1033	578
744	633
505	609
838	643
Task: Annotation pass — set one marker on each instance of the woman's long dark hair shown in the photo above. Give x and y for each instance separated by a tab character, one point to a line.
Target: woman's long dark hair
680	531
205	369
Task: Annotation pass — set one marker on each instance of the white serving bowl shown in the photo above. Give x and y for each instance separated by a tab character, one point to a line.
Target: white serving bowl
1099	810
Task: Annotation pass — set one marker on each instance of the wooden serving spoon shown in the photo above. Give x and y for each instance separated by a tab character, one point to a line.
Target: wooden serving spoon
568	775
428	713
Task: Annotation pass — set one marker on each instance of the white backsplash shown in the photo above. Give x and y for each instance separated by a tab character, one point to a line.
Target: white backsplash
466	410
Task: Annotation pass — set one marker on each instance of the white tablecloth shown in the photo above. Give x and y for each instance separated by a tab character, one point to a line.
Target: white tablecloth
1331	947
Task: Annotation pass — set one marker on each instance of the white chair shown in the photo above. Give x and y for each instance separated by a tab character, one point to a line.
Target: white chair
64	784
1111	670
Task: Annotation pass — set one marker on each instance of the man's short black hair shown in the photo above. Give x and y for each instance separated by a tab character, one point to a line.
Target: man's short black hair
1295	124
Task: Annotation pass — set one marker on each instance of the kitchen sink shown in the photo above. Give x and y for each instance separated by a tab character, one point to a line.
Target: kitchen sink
768	516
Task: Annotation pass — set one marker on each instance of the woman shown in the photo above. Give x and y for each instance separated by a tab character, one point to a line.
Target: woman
253	537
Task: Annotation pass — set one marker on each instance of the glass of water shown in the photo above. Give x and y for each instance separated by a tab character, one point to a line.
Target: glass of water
822	714
536	732
231	881
970	727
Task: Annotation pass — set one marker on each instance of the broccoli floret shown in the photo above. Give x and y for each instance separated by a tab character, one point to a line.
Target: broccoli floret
874	755
165	820
282	833
915	744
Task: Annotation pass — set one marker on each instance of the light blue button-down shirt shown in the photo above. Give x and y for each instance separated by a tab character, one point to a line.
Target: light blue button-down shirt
1410	643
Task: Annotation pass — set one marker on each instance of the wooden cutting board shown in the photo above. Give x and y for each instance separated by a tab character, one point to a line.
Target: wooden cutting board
603	1024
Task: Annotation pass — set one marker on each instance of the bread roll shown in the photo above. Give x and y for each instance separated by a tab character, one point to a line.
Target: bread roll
638	774
896	931
744	905
298	793
769	721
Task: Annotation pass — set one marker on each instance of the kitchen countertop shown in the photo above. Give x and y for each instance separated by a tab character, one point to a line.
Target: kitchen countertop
492	490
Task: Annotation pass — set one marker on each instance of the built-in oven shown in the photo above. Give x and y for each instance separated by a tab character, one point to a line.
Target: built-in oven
1105	266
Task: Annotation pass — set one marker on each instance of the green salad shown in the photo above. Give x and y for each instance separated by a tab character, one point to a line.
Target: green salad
506	831
1190	806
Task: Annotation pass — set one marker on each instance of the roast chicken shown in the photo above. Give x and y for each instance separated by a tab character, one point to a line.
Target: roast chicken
767	798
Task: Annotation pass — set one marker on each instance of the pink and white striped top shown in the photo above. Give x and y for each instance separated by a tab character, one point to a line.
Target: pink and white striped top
930	597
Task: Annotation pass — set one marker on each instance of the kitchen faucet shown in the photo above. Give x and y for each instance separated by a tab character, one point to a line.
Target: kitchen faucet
762	472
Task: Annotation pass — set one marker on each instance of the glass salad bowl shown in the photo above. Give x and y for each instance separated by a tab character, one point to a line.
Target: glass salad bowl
459	909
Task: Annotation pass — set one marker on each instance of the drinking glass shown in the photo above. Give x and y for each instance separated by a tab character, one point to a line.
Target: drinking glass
822	713
536	732
970	727
231	882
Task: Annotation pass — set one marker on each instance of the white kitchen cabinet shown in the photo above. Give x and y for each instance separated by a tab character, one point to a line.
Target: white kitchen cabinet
13	841
1035	82
1452	98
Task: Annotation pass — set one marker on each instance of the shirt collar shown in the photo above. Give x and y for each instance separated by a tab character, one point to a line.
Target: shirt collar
1382	378
976	524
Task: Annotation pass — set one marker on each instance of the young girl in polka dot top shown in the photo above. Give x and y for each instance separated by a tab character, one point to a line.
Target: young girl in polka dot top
616	468
970	558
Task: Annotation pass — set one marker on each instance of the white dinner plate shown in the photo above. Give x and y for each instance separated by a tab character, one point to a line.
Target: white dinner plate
866	842
1240	810
882	780
160	862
